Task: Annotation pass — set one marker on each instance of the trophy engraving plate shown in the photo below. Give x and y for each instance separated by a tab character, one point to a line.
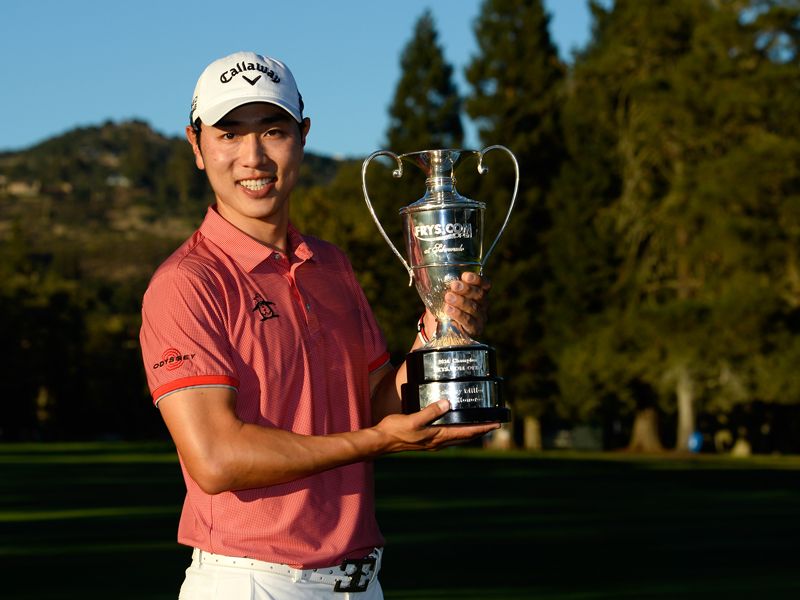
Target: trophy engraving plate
453	364
461	394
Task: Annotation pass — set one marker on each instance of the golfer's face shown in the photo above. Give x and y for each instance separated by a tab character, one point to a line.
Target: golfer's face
252	158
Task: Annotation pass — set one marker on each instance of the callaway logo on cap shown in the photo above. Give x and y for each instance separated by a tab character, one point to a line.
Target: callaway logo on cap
242	78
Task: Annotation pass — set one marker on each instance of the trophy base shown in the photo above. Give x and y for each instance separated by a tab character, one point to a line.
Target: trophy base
463	375
475	416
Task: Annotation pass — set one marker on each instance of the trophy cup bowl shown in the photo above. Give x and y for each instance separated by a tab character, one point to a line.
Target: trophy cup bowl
443	234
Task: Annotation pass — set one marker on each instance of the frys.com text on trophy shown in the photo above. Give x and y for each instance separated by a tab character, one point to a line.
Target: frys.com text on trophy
443	233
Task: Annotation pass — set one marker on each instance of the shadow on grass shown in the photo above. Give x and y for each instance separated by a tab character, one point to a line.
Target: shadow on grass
84	520
503	526
77	520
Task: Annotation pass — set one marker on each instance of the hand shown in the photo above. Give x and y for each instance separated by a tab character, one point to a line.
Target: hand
466	303
414	432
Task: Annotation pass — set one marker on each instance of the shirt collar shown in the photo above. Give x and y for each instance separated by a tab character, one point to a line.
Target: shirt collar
244	249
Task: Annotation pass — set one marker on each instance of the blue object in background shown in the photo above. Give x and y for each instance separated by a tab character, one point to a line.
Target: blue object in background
695	442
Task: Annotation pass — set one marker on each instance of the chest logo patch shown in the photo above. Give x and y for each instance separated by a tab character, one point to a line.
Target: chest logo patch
264	308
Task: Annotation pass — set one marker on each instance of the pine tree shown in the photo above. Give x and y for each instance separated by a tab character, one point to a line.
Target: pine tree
516	83
426	110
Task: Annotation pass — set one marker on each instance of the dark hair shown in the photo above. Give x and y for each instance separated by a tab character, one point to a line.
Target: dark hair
196	126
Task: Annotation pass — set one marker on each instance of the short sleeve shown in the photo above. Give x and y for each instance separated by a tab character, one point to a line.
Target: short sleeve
184	337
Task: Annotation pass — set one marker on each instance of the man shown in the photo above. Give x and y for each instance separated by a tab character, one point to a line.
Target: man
268	367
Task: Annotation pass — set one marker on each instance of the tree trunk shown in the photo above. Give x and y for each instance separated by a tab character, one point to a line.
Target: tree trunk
644	437
684	390
500	439
532	433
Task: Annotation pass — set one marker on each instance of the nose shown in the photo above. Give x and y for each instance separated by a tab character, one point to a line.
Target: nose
253	152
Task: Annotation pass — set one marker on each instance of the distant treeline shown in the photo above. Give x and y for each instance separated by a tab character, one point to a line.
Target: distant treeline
647	287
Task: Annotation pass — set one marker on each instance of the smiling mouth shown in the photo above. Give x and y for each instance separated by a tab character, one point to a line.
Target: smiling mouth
256	184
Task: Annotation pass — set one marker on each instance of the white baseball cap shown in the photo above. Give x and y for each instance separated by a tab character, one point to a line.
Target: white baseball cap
242	78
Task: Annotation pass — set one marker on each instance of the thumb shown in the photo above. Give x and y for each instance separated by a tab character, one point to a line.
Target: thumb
433	411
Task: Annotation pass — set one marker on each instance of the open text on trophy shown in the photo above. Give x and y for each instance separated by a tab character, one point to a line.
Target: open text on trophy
443	234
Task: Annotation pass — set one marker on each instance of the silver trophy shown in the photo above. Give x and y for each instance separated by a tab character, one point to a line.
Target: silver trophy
443	234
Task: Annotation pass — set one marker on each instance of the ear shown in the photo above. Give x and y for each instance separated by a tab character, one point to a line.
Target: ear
305	126
191	135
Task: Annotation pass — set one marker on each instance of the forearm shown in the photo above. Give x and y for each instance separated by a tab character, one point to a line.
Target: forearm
252	456
221	452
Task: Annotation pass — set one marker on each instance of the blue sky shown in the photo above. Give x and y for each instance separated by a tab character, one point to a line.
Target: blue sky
65	63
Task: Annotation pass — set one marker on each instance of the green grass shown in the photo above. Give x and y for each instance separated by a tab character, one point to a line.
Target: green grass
78	520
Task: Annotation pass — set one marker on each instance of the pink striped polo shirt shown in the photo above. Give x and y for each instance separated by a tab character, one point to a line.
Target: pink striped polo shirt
295	337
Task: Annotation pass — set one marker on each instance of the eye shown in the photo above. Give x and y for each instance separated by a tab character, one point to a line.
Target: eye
228	135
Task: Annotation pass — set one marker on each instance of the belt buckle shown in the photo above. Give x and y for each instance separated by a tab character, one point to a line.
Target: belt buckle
356	583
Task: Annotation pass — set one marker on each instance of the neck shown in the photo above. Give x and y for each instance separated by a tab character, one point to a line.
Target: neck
281	245
272	233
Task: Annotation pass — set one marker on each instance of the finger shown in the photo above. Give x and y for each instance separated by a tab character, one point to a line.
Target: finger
466	312
455	301
430	413
467	321
475	279
469	431
461	288
453	435
472	431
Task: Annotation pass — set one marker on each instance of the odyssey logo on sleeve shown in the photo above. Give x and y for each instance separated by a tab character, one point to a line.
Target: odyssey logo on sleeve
173	359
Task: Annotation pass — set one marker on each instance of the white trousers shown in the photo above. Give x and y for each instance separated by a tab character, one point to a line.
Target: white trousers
216	577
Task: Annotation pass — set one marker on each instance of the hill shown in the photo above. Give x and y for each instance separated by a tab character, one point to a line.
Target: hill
109	193
120	160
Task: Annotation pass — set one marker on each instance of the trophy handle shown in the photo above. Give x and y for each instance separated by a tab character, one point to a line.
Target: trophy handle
398	172
482	170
